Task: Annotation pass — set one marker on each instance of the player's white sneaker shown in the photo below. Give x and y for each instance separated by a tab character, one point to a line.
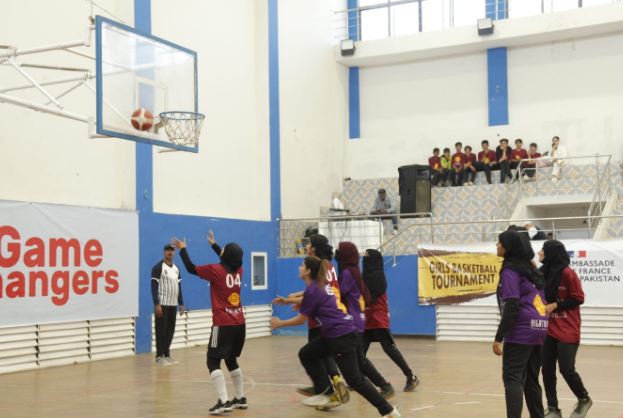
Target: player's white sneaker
171	361
393	414
317	400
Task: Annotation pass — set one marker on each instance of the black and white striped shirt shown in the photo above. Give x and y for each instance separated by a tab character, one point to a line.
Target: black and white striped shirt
166	285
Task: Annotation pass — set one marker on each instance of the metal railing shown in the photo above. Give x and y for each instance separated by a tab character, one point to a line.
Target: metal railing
489	230
414	231
600	175
601	194
438	15
365	230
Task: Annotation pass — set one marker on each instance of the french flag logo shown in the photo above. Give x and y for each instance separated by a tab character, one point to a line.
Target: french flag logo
578	254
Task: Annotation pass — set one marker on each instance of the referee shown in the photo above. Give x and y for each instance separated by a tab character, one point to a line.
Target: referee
166	291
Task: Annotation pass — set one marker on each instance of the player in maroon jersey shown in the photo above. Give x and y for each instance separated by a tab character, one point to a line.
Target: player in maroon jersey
377	316
228	324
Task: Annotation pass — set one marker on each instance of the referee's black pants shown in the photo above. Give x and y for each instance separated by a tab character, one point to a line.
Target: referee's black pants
165	328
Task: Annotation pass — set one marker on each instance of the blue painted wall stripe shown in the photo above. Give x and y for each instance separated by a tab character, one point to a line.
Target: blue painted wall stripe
273	99
497	70
144	206
497	81
354	118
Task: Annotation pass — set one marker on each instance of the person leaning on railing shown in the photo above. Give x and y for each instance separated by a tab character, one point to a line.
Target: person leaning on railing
383	206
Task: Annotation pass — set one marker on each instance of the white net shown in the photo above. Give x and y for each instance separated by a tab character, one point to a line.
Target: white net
182	128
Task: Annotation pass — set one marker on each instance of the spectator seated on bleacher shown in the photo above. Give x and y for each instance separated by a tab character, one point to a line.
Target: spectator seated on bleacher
553	158
436	171
517	156
446	166
458	165
487	160
503	155
469	171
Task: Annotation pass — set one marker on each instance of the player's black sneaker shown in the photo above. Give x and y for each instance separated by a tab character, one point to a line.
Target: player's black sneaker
239	403
412	383
220	407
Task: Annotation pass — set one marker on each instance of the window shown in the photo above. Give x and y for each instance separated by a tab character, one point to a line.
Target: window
434	15
467	12
523	8
259	271
560	5
374	24
405	19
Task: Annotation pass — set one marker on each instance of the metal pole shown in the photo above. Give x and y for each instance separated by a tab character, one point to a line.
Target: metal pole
18	52
41	108
35	83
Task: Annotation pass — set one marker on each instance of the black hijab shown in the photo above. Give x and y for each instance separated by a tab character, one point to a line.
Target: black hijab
232	257
518	256
555	260
373	274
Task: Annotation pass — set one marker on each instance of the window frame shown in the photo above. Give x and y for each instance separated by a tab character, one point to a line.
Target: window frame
264	255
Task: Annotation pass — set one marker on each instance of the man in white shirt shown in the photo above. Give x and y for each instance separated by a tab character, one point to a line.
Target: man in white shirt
166	292
555	158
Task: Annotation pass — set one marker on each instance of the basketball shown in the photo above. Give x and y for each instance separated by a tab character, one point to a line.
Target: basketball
142	119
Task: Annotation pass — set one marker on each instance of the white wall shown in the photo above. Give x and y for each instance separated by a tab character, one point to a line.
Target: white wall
571	89
408	109
45	158
314	100
230	176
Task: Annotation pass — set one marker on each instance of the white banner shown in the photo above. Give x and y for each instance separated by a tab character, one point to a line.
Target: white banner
599	264
66	263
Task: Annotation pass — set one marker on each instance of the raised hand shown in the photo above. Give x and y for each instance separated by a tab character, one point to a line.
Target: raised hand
179	244
211	238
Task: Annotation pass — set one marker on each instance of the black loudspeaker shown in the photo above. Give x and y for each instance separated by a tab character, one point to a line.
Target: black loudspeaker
414	189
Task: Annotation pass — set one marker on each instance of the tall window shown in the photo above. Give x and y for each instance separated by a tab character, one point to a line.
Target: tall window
259	271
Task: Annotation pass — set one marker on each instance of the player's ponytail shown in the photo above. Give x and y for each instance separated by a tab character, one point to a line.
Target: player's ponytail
318	270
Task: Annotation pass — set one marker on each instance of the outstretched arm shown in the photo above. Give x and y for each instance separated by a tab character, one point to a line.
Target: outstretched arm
181	245
213	244
279	323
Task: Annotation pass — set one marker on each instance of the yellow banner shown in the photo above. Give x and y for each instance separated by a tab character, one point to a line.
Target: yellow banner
448	277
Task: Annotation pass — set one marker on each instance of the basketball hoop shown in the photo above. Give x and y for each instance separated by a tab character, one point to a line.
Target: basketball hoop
182	128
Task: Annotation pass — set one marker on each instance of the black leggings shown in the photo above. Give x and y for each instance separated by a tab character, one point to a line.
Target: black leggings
214	363
554	350
366	366
329	362
388	345
521	365
344	349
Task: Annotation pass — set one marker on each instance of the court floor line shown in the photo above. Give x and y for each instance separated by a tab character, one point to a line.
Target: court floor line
444	392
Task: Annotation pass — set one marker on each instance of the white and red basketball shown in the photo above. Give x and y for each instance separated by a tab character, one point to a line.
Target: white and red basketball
142	119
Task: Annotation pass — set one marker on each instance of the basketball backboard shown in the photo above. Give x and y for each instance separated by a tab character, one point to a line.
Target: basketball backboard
136	71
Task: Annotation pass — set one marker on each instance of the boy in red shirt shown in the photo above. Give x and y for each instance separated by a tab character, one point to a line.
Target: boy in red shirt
503	155
563	295
458	164
486	160
530	166
517	155
470	167
228	324
436	171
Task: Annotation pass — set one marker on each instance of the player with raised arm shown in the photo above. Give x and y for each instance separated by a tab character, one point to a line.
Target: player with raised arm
228	323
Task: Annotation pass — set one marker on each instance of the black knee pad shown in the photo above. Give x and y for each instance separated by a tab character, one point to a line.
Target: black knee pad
231	363
213	364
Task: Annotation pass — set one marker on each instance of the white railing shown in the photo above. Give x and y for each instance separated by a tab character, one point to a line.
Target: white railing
385	18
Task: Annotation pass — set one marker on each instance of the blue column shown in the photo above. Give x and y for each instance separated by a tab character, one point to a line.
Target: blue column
145	208
273	105
497	70
354	120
